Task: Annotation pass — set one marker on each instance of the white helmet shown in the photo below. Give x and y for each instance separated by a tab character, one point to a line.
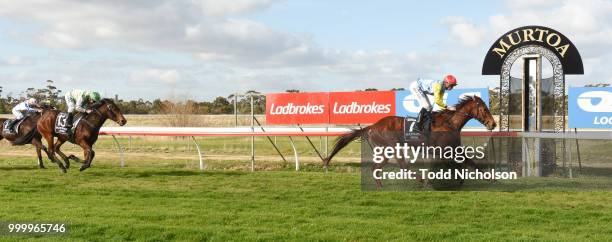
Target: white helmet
32	101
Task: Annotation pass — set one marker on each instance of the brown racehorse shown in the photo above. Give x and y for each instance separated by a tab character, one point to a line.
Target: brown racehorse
445	128
27	134
86	132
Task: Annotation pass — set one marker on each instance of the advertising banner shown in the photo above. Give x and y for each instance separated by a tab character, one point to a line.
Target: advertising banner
360	107
297	108
590	107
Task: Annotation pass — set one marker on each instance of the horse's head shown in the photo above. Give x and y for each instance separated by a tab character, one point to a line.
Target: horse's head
476	108
108	108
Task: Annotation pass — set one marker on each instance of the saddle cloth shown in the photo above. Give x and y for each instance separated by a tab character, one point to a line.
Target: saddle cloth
60	123
411	132
15	128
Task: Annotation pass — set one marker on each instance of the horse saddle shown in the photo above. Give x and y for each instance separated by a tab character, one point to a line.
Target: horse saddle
11	130
61	125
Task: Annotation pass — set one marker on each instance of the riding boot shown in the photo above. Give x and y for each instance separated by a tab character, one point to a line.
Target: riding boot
421	119
69	120
12	124
427	124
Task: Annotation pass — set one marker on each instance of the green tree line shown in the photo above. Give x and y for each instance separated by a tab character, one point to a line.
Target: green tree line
49	94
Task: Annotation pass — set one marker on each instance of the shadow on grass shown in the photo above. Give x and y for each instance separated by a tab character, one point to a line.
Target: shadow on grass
136	173
19	168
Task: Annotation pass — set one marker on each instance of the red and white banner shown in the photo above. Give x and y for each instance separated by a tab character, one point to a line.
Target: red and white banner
297	108
360	107
335	107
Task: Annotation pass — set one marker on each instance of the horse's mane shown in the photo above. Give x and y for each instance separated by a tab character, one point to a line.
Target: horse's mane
465	100
462	102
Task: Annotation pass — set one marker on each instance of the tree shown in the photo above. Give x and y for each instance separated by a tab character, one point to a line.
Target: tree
371	89
2	101
494	100
293	91
221	106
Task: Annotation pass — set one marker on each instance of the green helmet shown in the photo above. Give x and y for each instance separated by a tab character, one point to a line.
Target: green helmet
95	96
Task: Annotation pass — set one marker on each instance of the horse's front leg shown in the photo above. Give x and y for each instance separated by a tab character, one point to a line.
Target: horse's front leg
89	154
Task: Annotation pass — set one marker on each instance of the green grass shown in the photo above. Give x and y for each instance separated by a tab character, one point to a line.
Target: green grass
162	196
160	202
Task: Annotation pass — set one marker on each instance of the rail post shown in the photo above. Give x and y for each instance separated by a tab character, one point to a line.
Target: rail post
122	159
252	137
297	161
202	166
578	151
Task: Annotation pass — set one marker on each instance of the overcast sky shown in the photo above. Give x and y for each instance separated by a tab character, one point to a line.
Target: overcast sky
202	49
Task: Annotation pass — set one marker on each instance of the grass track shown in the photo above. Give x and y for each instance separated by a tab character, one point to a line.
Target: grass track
174	203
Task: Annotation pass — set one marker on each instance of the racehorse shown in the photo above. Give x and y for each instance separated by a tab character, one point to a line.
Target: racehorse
85	133
27	134
445	131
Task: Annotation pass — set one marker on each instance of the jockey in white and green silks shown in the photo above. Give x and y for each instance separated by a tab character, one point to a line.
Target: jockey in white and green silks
423	87
78	100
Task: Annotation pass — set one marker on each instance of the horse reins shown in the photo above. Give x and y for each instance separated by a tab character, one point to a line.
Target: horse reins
464	114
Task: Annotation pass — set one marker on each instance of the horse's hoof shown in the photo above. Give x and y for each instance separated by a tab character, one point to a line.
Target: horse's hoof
42	167
83	168
64	170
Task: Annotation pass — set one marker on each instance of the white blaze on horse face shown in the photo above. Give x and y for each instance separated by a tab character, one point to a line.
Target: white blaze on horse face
585	101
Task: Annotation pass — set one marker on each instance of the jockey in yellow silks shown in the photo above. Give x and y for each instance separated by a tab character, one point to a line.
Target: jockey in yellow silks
423	87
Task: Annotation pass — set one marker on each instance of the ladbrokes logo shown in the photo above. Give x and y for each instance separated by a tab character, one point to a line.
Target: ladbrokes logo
291	108
360	107
357	108
596	101
297	108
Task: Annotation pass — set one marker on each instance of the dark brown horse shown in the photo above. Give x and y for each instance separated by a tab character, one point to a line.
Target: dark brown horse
85	134
27	134
445	128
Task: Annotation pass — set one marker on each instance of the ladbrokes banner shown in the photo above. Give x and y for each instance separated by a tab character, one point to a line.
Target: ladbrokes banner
350	107
360	107
297	108
590	107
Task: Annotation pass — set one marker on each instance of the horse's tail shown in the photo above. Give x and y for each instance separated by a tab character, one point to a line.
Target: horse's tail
342	142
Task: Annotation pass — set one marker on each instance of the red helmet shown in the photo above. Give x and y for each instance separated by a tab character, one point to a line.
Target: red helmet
450	79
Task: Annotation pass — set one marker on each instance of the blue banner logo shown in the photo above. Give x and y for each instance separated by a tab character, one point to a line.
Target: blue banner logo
406	103
590	107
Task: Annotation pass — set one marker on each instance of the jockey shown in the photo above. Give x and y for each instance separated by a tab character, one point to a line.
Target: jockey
78	100
28	106
423	87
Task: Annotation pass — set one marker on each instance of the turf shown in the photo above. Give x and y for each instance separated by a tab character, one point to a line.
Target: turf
161	203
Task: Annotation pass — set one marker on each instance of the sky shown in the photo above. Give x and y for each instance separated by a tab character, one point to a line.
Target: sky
200	49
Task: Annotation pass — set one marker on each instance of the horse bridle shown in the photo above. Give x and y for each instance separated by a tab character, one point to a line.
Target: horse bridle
98	113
